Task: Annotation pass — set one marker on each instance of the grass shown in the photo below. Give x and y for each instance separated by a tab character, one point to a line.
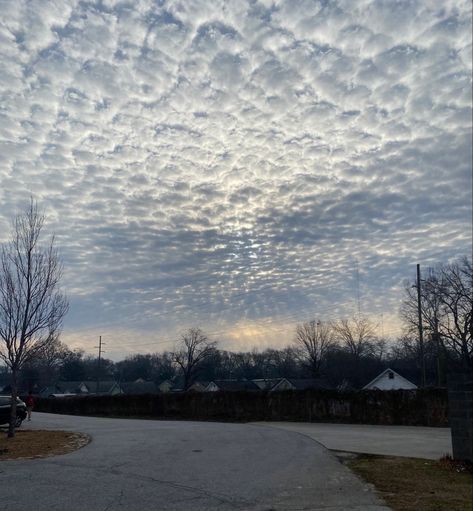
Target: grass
39	443
408	484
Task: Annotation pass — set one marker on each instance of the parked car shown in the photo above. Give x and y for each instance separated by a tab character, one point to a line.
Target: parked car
5	408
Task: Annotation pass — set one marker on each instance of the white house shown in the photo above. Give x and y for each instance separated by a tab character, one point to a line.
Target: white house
390	380
231	385
165	386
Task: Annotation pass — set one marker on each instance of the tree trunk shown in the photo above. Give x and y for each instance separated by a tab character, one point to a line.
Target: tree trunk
14	394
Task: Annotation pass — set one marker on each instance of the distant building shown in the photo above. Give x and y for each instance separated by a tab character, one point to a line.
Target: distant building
300	384
109	388
231	385
139	387
82	388
266	383
390	380
165	386
198	386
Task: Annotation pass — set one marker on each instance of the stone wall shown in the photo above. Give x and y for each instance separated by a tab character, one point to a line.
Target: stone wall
427	407
460	404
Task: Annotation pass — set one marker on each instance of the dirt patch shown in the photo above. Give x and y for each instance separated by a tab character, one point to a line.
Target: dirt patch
408	484
29	444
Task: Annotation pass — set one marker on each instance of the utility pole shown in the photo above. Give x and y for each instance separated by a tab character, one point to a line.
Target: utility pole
421	331
99	363
438	350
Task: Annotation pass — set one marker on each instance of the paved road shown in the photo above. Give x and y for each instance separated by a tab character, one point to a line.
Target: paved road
412	442
190	466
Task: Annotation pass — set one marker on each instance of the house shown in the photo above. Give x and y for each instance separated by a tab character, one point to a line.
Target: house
300	384
72	387
231	385
266	383
65	387
390	380
109	388
165	386
82	388
269	384
139	387
198	386
49	391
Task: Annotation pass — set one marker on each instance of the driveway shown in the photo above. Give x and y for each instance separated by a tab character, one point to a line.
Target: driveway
193	466
409	441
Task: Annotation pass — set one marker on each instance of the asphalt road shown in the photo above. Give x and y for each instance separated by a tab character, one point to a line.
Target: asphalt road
196	466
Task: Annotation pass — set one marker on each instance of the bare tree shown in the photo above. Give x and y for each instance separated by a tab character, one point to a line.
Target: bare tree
356	334
430	311
45	366
313	340
31	305
454	326
430	306
446	310
194	348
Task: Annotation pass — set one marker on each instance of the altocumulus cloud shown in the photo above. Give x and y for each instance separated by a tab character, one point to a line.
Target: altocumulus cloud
228	164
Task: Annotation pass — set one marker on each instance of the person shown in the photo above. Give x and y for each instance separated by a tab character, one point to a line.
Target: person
29	404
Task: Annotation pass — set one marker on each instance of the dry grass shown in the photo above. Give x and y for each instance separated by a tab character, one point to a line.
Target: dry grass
408	484
39	443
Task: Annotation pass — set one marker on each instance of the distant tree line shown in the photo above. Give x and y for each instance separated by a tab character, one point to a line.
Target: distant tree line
346	354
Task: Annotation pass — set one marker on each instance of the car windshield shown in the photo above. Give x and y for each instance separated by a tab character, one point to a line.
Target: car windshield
6	400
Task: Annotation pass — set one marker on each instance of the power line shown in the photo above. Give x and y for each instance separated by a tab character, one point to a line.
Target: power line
283	317
232	329
265	323
302	315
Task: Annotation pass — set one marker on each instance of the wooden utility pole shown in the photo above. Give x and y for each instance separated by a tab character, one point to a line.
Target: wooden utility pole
421	330
99	364
438	350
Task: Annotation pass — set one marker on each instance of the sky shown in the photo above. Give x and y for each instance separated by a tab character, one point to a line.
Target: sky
238	166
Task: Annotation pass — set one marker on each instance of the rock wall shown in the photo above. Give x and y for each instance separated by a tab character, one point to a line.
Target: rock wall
460	404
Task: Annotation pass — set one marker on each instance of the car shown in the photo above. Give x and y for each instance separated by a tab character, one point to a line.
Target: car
5	408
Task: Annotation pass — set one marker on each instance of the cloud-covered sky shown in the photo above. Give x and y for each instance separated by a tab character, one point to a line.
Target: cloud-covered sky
237	165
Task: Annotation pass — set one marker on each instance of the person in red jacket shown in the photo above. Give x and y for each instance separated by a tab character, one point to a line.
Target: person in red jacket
29	404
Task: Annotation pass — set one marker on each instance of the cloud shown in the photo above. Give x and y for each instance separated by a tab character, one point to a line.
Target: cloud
221	163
